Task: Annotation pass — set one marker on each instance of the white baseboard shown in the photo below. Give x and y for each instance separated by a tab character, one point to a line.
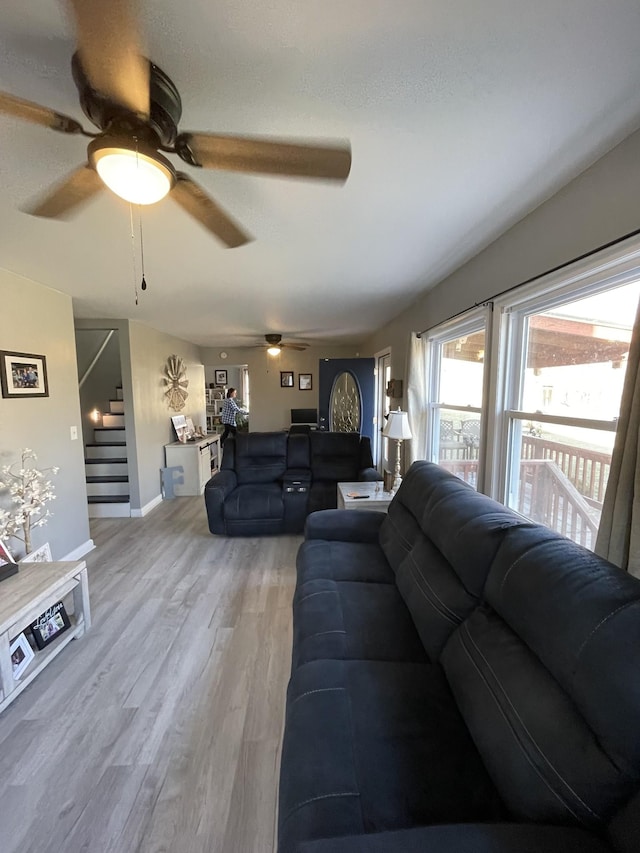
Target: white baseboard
139	513
80	551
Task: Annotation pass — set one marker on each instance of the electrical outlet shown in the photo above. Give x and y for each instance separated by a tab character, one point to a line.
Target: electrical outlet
74	432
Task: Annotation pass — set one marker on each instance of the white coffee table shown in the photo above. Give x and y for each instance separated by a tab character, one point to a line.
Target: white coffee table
371	499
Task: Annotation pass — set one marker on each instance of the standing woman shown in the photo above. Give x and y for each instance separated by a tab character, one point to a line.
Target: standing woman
229	412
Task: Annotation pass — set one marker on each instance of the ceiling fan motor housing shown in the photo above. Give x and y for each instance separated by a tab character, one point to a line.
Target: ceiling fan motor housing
274	340
165	107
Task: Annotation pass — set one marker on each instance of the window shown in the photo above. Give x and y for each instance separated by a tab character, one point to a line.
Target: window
457	359
566	368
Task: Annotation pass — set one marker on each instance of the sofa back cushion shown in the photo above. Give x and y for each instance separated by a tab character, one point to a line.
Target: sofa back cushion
545	673
260	457
335	456
440	537
298	450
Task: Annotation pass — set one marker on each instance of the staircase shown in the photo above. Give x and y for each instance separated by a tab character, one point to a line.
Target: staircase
106	465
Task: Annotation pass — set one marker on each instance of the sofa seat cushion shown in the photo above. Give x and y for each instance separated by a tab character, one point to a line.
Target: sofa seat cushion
371	746
342	561
256	501
344	620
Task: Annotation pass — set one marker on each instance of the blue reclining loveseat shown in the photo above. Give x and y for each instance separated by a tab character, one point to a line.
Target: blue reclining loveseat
269	481
463	681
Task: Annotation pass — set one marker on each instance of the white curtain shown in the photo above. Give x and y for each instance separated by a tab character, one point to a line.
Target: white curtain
619	532
417	397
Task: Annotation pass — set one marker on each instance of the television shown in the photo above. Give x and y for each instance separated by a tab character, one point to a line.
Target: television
304	416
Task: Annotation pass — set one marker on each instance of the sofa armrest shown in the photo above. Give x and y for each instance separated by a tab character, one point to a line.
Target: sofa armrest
464	838
216	490
343	525
369	475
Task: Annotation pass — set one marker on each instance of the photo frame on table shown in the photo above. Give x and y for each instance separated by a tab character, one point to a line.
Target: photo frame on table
21	655
23	374
50	624
388	478
304	381
220	377
286	378
8	566
40	555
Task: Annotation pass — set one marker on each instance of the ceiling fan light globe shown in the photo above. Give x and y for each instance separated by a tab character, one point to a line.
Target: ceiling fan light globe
274	350
137	176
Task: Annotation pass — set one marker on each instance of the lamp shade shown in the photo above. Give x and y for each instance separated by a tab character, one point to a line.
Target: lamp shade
397	426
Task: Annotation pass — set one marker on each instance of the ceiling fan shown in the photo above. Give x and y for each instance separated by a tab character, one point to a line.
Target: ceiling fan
273	344
136	108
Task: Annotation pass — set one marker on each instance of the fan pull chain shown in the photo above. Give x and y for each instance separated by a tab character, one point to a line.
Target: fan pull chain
143	284
133	252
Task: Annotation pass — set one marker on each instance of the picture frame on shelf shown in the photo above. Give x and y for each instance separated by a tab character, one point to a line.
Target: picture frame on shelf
21	655
305	381
220	377
40	555
50	624
286	378
23	374
6	557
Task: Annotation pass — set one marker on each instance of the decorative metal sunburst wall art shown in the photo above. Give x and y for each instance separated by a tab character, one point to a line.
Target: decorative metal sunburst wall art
175	379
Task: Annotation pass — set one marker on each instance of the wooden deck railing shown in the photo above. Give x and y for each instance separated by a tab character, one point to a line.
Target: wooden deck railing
546	495
587	469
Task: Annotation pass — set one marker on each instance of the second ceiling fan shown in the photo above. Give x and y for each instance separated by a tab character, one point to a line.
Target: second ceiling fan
137	108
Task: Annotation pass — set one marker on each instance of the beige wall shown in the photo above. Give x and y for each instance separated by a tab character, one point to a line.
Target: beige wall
148	352
599	206
270	404
35	319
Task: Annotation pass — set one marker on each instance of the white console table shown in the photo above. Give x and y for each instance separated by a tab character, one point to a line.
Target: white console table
24	597
198	459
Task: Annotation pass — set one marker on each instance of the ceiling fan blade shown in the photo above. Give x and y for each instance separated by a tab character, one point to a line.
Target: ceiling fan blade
66	196
192	198
27	110
110	50
246	154
300	348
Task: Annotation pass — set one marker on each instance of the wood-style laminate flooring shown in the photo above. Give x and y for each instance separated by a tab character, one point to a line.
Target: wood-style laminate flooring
160	729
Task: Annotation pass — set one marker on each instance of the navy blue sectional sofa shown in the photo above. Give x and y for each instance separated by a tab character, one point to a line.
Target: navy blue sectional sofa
270	481
463	681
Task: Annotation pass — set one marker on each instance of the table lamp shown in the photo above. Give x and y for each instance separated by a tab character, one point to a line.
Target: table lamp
397	427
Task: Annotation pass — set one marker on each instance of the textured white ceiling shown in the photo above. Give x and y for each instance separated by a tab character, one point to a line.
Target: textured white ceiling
462	116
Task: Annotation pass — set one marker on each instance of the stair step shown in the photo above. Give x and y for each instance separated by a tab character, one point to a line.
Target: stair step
107	487
108	499
106	468
110	421
108	435
116	407
101	508
105	451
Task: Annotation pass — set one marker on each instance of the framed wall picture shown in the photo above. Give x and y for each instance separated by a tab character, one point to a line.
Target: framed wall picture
21	655
220	377
50	624
286	378
23	374
304	382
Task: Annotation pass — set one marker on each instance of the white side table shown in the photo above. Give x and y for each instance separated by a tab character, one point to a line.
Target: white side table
370	498
24	597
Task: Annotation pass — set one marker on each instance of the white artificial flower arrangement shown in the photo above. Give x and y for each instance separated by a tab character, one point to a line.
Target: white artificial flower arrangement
30	490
